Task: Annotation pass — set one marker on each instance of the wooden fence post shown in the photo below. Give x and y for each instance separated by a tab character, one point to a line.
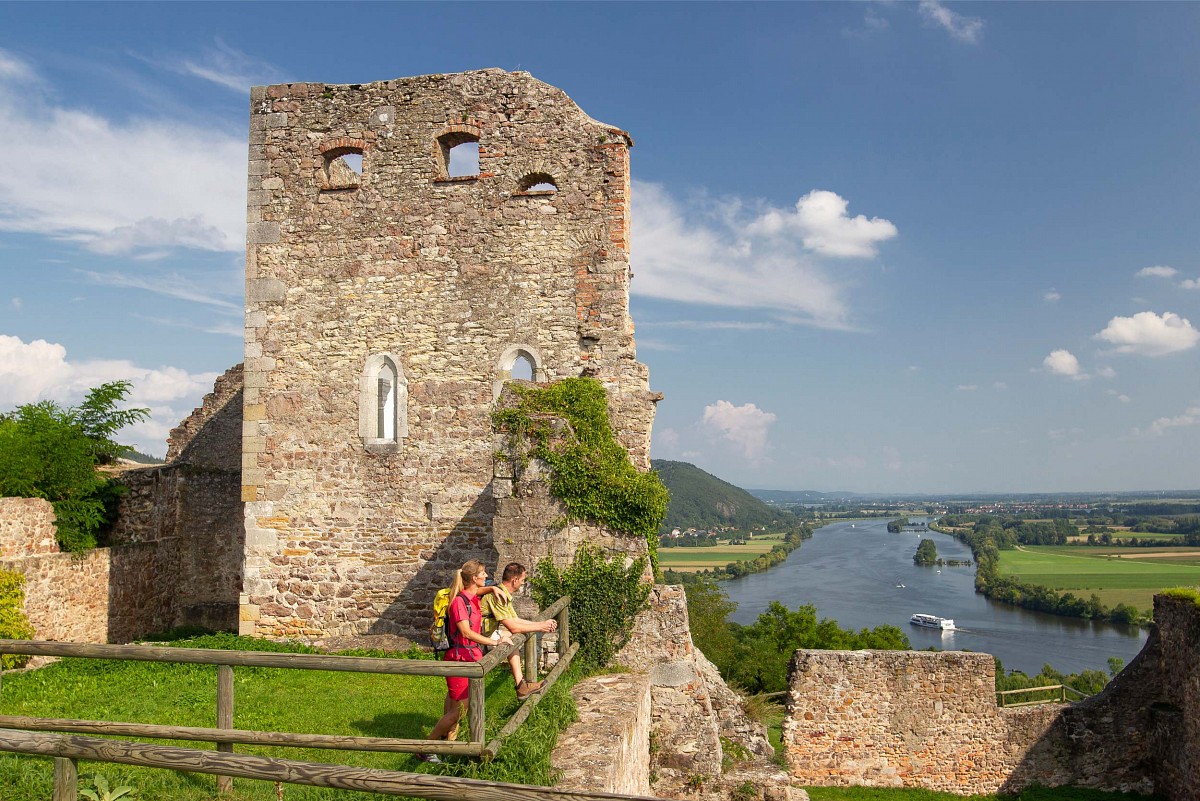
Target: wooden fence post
476	708
225	720
66	779
564	630
531	655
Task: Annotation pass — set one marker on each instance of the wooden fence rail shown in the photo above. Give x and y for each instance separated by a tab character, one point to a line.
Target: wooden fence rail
1063	689
225	735
67	749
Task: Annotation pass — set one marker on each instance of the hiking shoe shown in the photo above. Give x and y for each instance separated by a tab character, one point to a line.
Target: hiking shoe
432	759
528	688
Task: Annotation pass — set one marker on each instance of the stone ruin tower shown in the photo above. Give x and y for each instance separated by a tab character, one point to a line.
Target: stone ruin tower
390	289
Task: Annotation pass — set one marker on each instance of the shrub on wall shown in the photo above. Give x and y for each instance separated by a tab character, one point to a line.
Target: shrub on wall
592	473
605	595
51	452
14	625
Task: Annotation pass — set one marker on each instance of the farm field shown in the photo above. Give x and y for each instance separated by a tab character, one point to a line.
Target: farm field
1116	575
690	560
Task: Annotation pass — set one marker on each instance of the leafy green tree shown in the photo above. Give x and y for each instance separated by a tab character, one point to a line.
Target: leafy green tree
708	608
52	452
926	553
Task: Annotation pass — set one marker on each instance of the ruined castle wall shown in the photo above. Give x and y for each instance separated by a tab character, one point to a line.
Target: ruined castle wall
351	528
917	719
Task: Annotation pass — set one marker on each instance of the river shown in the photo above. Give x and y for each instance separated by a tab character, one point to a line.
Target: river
850	571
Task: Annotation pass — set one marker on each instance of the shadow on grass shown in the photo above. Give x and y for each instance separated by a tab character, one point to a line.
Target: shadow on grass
406	725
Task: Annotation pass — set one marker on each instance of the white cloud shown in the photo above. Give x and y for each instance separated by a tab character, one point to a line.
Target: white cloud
1052	295
231	68
1106	372
172	286
15	304
1063	362
963	28
721	254
1190	283
821	221
1123	398
1148	334
40	370
116	186
746	426
1190	417
999	385
967	387
710	325
1158	271
1061	434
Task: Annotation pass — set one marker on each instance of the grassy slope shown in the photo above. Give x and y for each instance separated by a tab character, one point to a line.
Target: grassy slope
1120	578
264	699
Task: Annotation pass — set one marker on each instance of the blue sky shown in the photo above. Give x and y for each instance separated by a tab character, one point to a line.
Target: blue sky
884	247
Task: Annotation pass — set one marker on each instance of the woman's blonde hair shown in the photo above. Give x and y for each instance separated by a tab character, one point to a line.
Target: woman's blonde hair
465	575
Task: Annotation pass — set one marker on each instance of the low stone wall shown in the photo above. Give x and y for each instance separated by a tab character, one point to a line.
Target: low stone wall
608	748
918	719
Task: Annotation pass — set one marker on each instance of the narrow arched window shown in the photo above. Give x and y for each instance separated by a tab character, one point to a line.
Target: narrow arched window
522	369
383	404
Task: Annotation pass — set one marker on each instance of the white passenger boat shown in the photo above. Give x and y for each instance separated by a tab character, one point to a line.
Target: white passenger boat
931	621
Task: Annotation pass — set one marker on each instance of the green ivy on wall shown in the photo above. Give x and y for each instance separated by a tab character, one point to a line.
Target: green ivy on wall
14	625
592	474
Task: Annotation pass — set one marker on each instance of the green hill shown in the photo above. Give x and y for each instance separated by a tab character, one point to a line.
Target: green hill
701	500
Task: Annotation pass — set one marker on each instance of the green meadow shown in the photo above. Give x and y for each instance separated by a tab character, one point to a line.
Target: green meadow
690	560
1116	575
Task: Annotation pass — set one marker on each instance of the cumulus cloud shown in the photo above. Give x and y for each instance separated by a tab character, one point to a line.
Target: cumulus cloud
1052	295
1190	417
959	26
725	254
1122	397
116	186
1149	334
745	426
1158	271
1190	283
15	304
821	220
39	370
967	387
1063	362
1106	372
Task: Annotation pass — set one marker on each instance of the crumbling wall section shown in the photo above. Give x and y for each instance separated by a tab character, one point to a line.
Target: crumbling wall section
368	260
917	719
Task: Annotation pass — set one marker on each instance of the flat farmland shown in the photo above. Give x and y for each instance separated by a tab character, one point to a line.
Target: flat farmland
690	560
1116	575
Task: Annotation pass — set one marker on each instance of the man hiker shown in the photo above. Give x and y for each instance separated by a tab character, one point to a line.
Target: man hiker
497	608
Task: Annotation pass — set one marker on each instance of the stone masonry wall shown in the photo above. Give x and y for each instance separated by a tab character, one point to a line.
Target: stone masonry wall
26	528
917	719
349	529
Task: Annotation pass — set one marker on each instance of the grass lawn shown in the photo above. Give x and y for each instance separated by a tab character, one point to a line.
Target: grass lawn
690	560
266	699
1117	575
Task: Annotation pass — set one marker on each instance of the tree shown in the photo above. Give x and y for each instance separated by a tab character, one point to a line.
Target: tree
926	553
51	452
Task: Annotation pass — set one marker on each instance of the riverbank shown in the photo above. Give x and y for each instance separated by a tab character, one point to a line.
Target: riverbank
684	564
1012	587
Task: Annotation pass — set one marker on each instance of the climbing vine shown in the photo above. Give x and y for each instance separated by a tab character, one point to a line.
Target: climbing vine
591	472
14	625
606	596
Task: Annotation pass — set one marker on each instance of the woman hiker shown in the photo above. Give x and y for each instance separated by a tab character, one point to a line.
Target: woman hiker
464	619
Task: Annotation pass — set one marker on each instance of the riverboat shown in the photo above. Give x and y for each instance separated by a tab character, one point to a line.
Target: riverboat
931	621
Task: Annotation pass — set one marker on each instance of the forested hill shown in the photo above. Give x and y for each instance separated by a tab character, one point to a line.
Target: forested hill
701	500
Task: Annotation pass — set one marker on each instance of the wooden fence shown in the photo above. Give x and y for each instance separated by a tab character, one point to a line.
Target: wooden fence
1059	698
67	749
226	736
